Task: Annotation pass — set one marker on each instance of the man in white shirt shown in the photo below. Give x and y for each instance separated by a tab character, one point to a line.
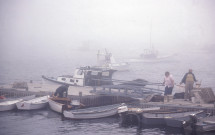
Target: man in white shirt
169	83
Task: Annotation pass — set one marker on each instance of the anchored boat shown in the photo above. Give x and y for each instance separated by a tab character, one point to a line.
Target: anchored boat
73	109
177	120
36	103
58	104
96	112
11	104
85	76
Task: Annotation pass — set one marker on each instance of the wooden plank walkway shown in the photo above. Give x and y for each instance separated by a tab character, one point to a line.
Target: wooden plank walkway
180	104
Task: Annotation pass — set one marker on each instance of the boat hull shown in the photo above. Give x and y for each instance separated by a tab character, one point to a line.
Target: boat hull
172	119
55	106
8	105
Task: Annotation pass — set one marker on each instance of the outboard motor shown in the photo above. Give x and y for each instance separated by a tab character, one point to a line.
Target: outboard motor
191	123
193	119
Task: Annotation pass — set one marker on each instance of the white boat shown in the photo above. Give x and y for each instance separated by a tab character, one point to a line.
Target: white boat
10	105
106	60
57	104
36	103
95	112
85	76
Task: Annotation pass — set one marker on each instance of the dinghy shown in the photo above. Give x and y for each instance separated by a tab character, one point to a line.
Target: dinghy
36	103
11	104
95	112
58	104
73	109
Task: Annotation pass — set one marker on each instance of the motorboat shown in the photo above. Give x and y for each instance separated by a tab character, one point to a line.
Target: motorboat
85	76
162	117
177	120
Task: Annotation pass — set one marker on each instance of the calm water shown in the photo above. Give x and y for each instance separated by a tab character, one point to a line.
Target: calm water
32	66
47	122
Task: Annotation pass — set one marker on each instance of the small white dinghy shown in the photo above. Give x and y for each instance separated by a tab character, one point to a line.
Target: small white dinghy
95	112
56	104
11	104
36	103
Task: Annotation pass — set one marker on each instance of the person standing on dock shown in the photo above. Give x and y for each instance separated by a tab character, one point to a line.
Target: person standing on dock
169	83
60	90
188	79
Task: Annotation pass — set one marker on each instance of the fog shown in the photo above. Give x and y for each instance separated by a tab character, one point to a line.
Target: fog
47	27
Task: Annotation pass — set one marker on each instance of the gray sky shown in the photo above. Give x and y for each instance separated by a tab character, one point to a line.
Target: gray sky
34	26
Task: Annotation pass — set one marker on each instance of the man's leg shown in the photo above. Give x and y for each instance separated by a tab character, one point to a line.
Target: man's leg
166	91
170	90
190	89
186	95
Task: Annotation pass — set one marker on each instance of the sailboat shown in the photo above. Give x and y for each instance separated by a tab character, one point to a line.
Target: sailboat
150	53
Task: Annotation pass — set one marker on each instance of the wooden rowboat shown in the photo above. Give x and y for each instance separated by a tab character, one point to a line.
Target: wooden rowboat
57	104
72	110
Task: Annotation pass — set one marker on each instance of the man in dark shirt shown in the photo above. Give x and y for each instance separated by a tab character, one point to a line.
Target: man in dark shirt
188	79
60	90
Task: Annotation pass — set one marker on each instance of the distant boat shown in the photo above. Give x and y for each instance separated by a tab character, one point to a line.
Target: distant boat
85	76
106	60
150	53
154	58
36	103
11	104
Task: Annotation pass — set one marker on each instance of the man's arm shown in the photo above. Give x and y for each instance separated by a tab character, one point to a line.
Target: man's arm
183	79
194	78
172	80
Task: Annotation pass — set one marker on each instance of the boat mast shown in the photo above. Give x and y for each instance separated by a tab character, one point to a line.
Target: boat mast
150	38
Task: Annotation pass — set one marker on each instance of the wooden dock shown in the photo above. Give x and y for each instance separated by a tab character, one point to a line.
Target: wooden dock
85	95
